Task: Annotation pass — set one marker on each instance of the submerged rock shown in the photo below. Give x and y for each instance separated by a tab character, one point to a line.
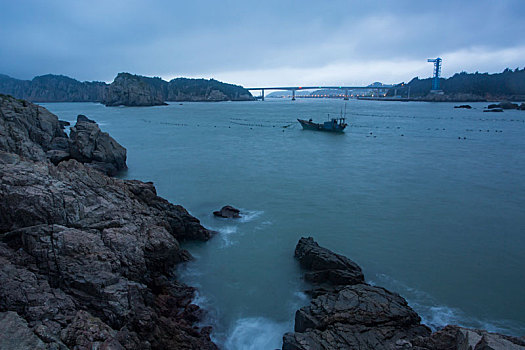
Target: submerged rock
464	106
493	110
228	212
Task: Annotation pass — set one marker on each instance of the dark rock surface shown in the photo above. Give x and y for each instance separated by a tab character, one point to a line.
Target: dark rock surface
34	133
324	266
86	260
504	105
88	144
228	212
464	106
493	110
347	313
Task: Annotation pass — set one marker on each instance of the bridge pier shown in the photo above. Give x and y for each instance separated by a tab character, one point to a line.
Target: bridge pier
262	94
293	95
346	94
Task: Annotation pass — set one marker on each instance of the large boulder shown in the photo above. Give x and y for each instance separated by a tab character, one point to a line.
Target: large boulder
347	313
88	144
228	212
323	265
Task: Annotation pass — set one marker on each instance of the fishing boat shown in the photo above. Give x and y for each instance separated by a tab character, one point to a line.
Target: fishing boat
333	124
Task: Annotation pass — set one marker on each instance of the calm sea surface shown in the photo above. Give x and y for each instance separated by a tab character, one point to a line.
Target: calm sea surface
429	200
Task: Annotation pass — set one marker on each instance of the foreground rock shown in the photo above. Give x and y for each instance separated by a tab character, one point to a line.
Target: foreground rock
33	132
228	212
87	260
347	313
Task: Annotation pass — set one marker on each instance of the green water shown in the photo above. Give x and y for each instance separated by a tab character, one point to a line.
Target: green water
429	200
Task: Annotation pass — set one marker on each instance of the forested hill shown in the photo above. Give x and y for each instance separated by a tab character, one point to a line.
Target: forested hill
127	89
509	84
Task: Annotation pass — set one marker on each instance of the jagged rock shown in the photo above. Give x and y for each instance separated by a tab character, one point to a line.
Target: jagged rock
88	144
16	335
34	133
27	129
355	315
455	337
346	313
228	212
64	123
326	266
464	106
75	239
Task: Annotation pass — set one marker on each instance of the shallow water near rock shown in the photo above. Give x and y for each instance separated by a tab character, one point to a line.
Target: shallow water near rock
429	200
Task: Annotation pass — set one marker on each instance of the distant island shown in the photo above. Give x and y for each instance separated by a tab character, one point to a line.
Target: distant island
508	85
126	90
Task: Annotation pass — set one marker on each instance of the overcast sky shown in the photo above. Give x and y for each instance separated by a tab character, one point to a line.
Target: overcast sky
260	43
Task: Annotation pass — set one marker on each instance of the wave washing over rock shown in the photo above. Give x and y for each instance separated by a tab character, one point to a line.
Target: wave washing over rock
86	260
347	313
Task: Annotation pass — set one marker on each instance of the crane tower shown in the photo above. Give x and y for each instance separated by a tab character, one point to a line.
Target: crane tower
437	73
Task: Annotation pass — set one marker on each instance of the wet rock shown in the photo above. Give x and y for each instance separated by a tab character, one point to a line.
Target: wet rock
63	124
503	105
345	312
464	106
522	107
493	110
455	337
359	316
228	212
325	266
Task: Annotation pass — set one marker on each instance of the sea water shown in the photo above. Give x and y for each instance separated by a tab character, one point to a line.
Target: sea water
429	200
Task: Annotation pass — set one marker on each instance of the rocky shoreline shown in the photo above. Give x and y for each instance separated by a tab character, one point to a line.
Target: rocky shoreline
86	260
347	313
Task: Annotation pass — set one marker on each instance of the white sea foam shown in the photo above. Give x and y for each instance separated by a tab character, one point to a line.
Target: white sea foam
226	234
256	333
249	215
437	316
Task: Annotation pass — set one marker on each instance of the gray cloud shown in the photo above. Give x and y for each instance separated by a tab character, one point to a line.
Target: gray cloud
259	42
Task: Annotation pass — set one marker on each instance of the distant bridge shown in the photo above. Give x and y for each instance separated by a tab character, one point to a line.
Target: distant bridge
295	88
